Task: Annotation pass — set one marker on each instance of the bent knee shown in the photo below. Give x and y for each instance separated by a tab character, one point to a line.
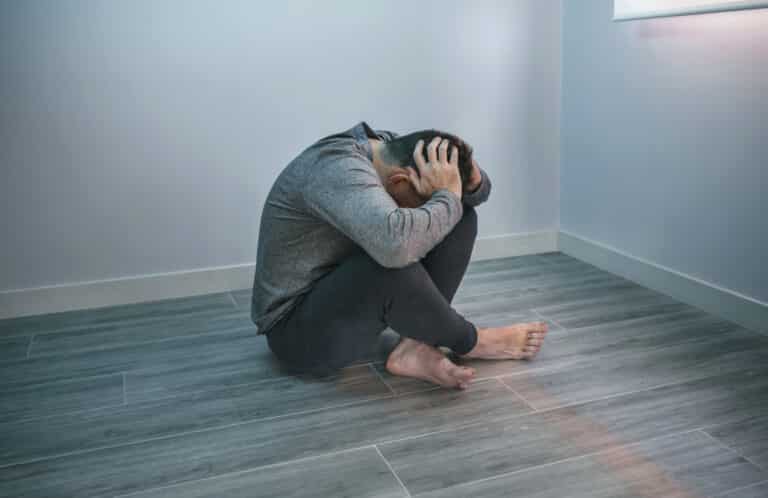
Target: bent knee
379	276
467	226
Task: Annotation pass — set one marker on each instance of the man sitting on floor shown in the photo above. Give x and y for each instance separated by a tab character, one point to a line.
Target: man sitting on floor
361	231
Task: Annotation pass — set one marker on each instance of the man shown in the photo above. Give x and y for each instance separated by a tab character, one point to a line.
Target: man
361	231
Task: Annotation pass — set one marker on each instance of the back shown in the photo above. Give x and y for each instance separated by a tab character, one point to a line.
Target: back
296	247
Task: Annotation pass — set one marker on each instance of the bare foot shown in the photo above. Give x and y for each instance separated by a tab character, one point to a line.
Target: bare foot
521	341
415	359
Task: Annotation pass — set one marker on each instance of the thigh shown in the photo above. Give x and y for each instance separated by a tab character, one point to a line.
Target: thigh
338	321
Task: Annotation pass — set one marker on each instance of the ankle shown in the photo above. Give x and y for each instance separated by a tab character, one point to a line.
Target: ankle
401	350
480	344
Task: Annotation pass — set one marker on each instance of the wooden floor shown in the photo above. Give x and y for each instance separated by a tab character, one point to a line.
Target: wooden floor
633	395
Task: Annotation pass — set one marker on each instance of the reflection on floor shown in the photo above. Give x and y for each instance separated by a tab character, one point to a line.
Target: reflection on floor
633	395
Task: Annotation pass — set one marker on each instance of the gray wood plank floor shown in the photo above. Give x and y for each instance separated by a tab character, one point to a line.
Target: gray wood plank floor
633	395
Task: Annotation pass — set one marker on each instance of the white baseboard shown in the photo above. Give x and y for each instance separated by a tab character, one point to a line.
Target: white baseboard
520	244
129	290
712	298
126	290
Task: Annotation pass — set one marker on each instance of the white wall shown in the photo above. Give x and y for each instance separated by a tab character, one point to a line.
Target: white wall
665	140
142	136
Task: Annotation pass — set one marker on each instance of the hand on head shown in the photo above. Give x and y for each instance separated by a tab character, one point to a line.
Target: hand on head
439	171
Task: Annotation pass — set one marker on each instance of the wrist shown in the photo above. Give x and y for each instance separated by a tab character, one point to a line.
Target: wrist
448	189
474	184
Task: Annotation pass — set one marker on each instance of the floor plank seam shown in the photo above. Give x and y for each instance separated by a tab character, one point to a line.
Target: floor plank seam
522	398
608	450
226	475
617	395
731	449
196	392
298	449
234	301
550	319
598	285
29	346
742	488
22	385
128	322
426	389
510	418
211	429
39	418
381	378
228	386
414	436
458	427
196	431
389	466
180	338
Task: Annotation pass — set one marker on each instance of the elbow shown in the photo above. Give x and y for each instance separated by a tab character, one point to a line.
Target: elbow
396	255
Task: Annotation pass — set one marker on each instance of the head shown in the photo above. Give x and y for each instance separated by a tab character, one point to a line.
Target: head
397	155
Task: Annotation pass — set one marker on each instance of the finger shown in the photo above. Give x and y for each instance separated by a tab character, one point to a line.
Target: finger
443	151
413	177
432	150
418	155
454	156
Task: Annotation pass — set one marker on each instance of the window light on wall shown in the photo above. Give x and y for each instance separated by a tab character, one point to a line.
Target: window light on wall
625	10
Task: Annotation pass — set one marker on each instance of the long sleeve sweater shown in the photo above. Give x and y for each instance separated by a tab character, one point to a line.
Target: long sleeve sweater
328	203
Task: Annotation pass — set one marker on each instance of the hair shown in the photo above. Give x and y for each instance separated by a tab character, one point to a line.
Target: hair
399	151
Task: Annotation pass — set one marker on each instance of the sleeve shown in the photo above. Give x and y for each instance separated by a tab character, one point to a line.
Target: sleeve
481	194
348	194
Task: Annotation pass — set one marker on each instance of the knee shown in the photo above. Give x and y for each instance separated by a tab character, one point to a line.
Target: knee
467	226
381	278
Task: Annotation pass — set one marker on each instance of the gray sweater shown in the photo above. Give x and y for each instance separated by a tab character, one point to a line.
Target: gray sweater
329	203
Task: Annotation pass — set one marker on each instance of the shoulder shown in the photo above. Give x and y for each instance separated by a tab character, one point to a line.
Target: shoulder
340	167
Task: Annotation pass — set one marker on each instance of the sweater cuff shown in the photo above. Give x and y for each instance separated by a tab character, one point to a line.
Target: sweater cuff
482	192
455	208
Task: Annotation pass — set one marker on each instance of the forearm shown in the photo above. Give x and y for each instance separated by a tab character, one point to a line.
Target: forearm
357	205
412	232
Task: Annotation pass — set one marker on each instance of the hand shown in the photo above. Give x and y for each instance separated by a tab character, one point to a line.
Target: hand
439	172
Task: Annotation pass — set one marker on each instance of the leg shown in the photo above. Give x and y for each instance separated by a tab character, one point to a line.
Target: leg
340	319
447	264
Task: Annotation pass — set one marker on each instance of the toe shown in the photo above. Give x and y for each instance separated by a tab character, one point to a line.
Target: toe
463	374
515	354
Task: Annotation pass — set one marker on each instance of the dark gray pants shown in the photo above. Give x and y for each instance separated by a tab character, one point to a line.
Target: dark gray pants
340	319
